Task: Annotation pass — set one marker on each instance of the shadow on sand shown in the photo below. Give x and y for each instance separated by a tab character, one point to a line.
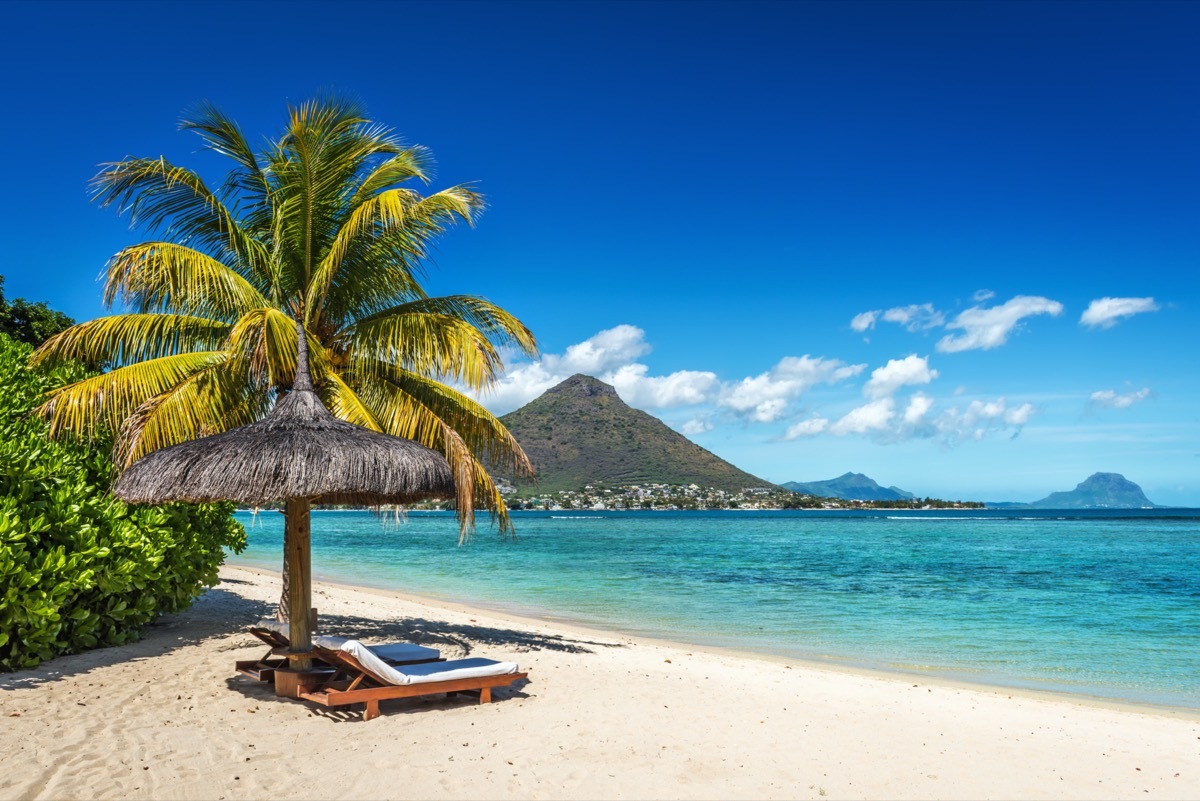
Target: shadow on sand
225	615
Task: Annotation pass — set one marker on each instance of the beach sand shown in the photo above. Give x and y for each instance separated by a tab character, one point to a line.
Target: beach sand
602	716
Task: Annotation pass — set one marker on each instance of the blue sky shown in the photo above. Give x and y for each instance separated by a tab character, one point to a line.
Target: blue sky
950	245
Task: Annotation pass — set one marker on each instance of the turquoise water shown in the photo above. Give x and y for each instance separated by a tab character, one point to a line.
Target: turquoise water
1090	603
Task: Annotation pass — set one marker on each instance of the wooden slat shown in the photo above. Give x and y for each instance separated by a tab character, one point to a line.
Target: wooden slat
334	697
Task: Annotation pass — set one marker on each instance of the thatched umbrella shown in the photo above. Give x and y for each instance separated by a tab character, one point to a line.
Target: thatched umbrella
299	454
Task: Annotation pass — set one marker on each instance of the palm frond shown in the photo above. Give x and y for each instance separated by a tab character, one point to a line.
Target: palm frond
223	135
498	325
247	181
128	338
428	343
107	400
411	162
163	197
265	341
207	402
375	279
488	438
380	213
379	265
164	276
403	415
344	403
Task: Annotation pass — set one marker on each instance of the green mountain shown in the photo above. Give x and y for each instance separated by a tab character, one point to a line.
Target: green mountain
1098	491
849	487
580	432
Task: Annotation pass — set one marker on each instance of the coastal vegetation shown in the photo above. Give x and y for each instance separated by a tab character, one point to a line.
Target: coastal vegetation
659	497
31	322
320	227
78	568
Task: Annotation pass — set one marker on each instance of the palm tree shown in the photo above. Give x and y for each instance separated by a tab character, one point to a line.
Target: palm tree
320	228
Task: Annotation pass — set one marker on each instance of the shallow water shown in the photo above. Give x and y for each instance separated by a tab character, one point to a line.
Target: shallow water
1092	603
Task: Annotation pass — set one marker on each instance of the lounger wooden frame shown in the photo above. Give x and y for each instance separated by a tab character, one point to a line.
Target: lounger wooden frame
275	658
352	683
279	647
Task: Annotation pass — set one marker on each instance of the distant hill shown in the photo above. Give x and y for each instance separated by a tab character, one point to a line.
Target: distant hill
848	487
581	432
1097	491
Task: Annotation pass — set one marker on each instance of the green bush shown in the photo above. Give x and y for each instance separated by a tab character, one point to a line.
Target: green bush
79	568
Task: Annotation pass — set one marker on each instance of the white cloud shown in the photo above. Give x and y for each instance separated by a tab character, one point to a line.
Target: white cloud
807	428
681	388
980	418
915	317
898	373
983	294
1105	312
604	351
770	397
881	421
809	371
864	320
519	385
697	425
764	398
874	416
1109	399
919	405
609	355
989	328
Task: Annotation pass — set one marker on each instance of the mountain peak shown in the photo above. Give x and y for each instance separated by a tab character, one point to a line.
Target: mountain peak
1099	490
583	386
849	486
580	432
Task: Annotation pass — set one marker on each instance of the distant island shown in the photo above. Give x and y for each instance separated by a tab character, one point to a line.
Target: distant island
850	486
1097	491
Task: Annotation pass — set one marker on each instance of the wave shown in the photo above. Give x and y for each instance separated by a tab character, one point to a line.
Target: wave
952	519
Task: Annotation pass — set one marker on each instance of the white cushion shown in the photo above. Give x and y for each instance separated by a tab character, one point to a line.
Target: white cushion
404	652
271	624
389	652
430	672
327	641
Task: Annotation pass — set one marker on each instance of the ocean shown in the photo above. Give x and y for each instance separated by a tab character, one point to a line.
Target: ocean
1092	603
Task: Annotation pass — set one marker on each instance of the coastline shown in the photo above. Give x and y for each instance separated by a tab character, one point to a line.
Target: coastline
527	616
603	716
583	631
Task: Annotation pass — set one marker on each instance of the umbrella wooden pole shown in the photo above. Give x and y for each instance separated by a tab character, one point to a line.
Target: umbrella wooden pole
297	541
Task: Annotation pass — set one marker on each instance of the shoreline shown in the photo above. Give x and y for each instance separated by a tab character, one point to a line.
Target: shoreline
601	717
544	618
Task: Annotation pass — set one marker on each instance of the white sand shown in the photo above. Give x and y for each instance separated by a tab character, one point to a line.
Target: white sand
602	716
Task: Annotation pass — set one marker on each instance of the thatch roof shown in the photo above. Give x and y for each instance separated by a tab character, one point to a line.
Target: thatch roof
299	450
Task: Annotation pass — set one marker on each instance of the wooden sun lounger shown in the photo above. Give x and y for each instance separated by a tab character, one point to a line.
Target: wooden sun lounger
263	668
352	683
